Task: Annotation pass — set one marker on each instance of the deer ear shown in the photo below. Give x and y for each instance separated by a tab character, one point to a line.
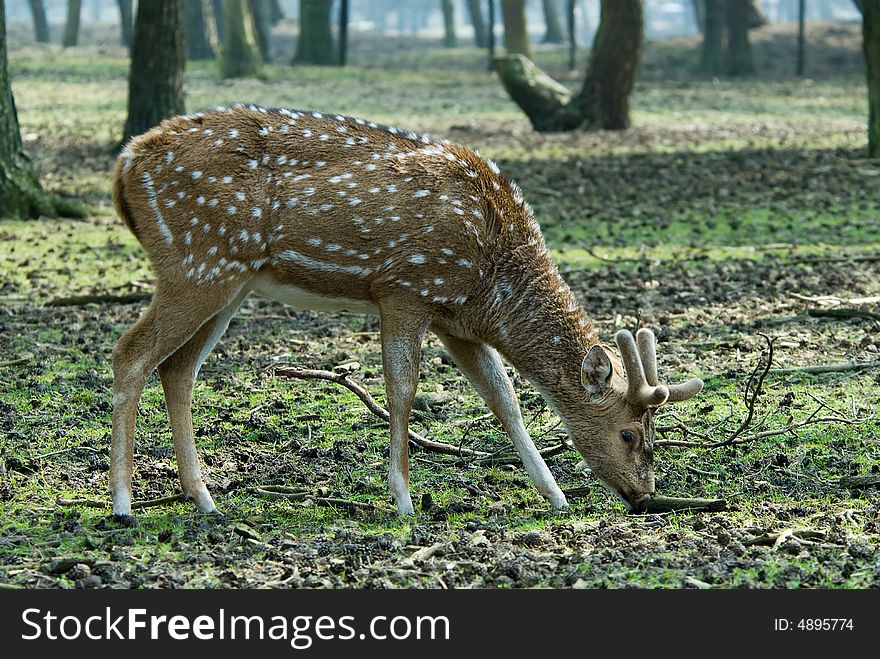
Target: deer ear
596	373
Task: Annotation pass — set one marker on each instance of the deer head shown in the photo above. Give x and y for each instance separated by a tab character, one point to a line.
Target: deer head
618	440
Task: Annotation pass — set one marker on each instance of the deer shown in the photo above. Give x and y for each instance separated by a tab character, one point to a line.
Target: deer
330	212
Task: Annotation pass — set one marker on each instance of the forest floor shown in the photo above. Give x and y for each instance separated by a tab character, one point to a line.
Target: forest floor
730	210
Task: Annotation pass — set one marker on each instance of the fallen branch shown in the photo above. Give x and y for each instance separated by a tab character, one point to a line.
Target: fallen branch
365	397
661	504
776	539
86	503
152	503
856	258
80	300
832	300
826	368
331	502
843	313
752	391
135	505
856	482
513	458
18	361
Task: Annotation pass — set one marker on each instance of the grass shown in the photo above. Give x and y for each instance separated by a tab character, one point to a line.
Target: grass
723	199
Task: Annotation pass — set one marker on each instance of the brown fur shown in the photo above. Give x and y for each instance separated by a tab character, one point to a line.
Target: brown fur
427	233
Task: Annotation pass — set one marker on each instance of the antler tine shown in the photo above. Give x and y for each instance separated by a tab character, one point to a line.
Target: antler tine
648	353
685	390
639	392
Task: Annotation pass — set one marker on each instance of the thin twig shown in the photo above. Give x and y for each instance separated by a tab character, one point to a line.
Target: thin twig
365	397
843	313
826	368
753	388
80	300
67	450
333	502
756	391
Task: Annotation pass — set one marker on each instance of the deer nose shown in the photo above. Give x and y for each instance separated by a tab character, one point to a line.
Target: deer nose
639	502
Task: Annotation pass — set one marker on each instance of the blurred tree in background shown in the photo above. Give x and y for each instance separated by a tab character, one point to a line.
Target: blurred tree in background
516	36
240	54
448	8
200	29
871	45
71	26
41	27
603	101
475	11
553	20
725	25
158	60
21	195
126	22
315	44
261	15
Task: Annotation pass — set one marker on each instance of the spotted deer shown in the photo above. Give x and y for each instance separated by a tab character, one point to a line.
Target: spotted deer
330	212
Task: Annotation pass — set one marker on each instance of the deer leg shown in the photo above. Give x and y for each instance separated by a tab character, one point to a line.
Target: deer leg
167	324
483	367
178	374
401	335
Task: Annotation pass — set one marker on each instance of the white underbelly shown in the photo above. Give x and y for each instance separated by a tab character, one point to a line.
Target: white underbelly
299	298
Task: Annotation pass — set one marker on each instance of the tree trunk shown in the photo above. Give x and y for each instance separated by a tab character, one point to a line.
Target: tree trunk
739	50
219	20
801	39
71	26
481	38
155	84
315	43
276	15
41	27
554	33
571	24
343	32
198	25
871	45
240	55
261	14
712	48
614	62
516	37
756	16
603	102
125	22
449	40
21	195
700	13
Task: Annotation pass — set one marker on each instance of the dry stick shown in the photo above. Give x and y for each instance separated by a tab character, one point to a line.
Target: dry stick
843	313
750	402
744	439
738	437
135	505
80	300
869	258
661	504
856	482
17	362
320	501
826	368
776	539
373	406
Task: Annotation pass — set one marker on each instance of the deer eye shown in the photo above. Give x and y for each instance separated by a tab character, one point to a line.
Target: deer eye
628	436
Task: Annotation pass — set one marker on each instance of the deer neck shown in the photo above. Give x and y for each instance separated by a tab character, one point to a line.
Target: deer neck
538	326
